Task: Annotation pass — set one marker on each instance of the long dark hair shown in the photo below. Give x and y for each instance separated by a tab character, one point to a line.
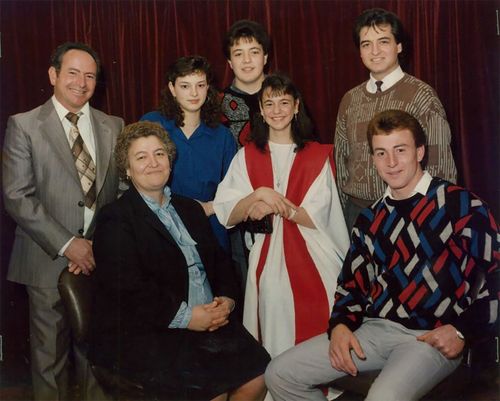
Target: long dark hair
210	112
301	127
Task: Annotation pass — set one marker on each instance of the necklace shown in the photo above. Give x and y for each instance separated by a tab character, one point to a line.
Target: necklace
281	160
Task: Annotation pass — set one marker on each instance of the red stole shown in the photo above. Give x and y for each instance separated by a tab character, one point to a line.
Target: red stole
310	298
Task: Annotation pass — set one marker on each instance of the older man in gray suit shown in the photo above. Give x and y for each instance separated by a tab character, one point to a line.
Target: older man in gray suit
58	170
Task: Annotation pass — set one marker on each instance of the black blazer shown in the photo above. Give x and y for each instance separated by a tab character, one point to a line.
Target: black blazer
141	279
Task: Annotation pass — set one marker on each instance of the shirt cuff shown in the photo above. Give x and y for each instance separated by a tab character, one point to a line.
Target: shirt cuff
65	246
182	317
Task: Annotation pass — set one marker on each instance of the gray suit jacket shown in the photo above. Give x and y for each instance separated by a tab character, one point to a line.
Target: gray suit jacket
42	189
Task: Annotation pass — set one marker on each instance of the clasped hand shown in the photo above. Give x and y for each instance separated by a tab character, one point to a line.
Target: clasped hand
269	201
80	256
211	316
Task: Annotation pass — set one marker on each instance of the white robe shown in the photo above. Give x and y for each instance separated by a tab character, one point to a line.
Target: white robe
272	307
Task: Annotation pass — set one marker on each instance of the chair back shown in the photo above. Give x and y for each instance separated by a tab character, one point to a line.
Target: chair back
477	285
76	294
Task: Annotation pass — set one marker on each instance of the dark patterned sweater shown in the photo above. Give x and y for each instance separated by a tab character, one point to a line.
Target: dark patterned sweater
238	109
415	261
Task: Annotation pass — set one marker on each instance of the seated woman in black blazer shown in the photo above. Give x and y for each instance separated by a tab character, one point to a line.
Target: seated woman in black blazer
165	289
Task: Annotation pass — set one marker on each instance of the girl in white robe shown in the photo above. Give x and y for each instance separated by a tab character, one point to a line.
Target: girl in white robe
293	271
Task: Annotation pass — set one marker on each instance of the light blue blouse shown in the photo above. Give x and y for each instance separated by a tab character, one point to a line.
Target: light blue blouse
199	288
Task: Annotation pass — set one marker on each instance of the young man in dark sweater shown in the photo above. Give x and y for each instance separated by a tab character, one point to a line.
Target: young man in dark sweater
246	46
403	304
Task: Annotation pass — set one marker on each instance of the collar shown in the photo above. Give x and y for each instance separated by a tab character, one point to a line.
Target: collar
203	128
421	187
62	111
388	81
238	90
241	92
153	205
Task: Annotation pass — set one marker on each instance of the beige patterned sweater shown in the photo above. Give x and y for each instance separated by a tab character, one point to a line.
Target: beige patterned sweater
356	175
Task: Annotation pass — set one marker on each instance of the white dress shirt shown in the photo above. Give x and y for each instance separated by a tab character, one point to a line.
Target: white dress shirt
87	133
389	80
421	187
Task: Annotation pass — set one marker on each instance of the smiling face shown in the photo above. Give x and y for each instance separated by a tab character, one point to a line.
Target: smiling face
75	82
190	91
247	60
379	50
397	161
278	111
148	166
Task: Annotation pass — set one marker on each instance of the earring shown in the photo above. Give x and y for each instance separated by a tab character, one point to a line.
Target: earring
295	116
263	119
127	177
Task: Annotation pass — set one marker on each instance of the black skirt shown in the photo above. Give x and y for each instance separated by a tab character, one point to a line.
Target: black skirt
208	364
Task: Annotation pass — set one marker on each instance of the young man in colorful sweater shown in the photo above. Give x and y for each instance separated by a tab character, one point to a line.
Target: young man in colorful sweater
404	301
379	36
246	46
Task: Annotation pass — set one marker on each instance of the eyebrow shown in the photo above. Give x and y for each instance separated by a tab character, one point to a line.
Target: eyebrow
402	145
145	151
196	82
378	39
278	99
251	48
78	70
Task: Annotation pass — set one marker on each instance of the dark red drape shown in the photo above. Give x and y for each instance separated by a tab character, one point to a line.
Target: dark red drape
455	47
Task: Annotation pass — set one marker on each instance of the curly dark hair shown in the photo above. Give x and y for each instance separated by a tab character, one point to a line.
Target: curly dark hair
135	131
302	127
210	112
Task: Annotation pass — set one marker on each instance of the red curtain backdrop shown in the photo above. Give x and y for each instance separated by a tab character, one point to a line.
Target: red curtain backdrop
455	48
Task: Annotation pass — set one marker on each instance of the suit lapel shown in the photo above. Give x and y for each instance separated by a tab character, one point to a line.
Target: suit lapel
53	130
186	215
144	212
192	224
103	139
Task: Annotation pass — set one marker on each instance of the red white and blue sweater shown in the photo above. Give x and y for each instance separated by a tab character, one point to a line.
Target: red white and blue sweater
238	109
414	261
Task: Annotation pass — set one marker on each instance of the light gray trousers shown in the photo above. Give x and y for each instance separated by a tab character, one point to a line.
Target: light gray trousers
50	342
409	368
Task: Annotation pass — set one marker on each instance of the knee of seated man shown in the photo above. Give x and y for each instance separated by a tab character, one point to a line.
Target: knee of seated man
272	372
389	392
276	372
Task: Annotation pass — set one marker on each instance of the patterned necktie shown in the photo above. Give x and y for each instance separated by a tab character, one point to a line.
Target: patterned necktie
379	86
83	161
